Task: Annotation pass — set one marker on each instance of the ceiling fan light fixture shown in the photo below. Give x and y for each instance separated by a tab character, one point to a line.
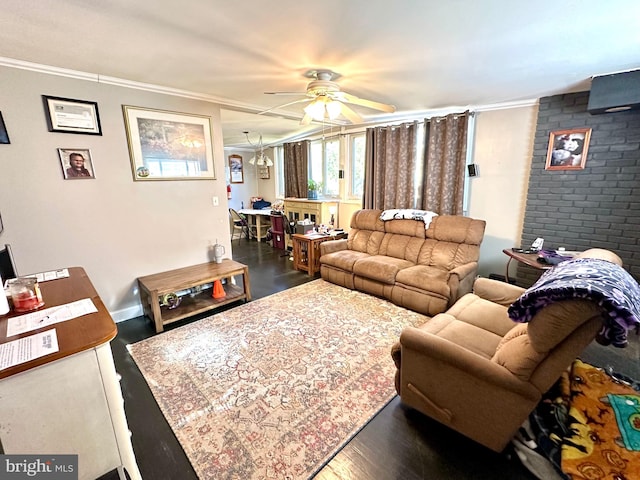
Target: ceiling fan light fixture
315	109
327	100
334	108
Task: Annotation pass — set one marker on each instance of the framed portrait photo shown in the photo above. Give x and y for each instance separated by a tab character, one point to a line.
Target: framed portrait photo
65	115
76	163
568	149
236	169
168	145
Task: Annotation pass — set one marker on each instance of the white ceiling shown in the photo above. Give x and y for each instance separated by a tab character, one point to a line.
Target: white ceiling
419	55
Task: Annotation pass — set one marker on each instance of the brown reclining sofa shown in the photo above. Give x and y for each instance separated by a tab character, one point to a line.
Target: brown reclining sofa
423	269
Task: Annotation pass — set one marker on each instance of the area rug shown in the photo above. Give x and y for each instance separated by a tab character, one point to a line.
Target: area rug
275	387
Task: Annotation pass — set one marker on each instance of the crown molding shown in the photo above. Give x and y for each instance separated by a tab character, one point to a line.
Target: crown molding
243	107
120	82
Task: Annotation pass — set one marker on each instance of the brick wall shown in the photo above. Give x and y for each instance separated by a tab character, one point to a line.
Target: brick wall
595	207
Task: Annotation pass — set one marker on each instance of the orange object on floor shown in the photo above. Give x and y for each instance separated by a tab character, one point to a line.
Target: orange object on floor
218	290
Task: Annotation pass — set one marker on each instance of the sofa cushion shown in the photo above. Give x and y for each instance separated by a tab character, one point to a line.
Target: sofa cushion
401	246
447	255
524	347
367	241
344	259
381	268
413	228
429	279
468	336
483	313
452	240
367	219
552	324
456	229
516	354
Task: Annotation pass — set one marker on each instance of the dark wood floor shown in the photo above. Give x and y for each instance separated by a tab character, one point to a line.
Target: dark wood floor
399	443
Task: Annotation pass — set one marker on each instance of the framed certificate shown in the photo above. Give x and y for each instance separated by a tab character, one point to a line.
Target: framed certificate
236	169
71	116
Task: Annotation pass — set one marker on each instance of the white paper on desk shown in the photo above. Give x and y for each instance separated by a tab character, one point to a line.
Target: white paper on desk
28	348
52	275
49	316
42	276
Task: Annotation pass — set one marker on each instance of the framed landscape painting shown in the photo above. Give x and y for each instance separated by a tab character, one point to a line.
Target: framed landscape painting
169	145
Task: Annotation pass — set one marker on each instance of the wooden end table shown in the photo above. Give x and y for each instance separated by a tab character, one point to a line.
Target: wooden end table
153	287
530	259
306	250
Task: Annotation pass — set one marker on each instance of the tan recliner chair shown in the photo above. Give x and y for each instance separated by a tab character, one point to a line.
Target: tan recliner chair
477	371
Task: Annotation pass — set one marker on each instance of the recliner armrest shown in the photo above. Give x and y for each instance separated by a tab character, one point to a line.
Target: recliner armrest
461	280
497	292
333	246
458	358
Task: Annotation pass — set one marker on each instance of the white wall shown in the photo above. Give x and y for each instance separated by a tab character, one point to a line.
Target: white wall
119	229
116	228
502	150
253	186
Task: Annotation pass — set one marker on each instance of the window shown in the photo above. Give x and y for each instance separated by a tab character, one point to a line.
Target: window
324	163
356	173
278	160
327	157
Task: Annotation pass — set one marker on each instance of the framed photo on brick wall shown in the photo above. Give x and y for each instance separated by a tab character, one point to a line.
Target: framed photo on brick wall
568	149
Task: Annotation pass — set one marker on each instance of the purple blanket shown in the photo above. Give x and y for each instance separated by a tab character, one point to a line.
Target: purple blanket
606	283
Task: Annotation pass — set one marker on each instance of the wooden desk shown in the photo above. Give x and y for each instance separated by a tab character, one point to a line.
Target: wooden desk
69	402
530	259
152	287
255	220
306	250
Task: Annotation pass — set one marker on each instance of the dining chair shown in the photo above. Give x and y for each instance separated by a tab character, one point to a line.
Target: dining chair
238	224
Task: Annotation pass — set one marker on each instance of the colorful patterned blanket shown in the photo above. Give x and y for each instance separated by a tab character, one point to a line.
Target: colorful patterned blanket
588	425
606	283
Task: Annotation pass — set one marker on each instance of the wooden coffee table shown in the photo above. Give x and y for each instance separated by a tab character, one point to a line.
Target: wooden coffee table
153	287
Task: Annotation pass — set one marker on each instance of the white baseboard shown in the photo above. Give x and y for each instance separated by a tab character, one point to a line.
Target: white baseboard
126	313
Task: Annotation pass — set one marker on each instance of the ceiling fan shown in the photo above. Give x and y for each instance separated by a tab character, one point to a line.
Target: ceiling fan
326	100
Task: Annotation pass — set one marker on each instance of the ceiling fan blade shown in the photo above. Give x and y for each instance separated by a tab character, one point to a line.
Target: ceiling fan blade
285	93
366	103
284	105
306	120
351	115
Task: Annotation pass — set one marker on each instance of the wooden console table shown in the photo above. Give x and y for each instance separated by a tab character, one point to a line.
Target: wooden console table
306	250
152	287
69	402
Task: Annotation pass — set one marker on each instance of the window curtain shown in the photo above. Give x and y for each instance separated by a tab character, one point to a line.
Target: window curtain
390	164
442	185
296	167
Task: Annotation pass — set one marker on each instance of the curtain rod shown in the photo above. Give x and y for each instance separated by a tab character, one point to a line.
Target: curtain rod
406	122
